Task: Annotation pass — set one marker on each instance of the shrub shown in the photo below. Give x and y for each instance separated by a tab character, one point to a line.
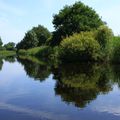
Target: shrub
44	51
115	54
104	36
22	52
80	47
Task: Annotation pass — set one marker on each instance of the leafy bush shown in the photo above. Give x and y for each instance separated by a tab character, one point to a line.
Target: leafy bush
80	47
115	55
104	37
44	51
22	52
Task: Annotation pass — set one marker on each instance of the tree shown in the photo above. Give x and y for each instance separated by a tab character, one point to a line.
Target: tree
10	46
42	34
1	43
29	41
37	36
74	19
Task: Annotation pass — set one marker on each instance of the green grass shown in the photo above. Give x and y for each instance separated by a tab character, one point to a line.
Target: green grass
43	51
5	53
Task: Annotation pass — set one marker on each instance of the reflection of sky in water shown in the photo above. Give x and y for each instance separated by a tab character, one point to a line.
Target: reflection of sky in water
108	103
23	95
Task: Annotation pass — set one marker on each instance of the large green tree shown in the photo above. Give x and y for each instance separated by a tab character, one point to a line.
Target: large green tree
42	34
29	41
74	19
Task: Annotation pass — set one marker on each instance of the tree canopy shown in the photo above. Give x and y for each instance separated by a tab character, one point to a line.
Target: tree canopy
74	19
42	34
1	43
10	46
37	36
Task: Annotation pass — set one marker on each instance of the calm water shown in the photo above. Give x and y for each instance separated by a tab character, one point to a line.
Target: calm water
35	90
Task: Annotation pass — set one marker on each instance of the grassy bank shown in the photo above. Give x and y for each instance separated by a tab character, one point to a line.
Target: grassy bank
43	51
5	53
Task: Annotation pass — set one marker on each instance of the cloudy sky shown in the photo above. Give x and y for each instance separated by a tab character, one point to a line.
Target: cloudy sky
18	16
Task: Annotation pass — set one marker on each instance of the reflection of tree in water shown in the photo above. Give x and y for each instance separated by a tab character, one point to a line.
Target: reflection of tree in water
1	63
10	59
35	70
80	84
115	76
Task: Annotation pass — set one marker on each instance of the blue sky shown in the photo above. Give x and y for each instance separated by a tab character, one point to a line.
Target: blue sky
18	16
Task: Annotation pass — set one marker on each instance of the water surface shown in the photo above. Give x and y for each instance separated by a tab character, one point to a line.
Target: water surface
31	89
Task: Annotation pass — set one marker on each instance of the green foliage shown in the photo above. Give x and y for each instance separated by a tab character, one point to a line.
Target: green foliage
80	47
1	43
43	51
10	59
10	46
30	40
5	53
103	36
37	36
2	48
42	34
35	69
22	52
115	55
79	84
74	19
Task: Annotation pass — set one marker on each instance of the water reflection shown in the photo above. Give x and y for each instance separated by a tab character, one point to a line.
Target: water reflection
63	89
10	59
81	83
35	68
78	84
1	64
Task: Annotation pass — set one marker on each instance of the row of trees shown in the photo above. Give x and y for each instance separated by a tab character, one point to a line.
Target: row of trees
8	46
37	36
79	33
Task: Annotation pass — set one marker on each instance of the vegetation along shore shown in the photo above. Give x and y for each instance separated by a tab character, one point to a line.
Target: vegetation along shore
80	35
